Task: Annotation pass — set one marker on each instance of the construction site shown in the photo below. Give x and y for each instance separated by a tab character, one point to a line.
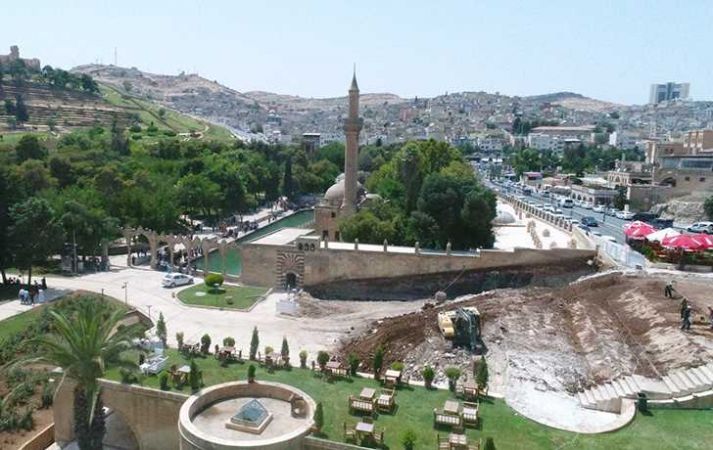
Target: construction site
546	346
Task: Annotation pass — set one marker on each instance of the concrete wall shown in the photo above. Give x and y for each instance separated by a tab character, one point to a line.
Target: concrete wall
151	414
313	443
332	265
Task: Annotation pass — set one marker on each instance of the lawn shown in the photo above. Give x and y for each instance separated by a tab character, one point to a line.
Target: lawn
20	322
243	297
661	430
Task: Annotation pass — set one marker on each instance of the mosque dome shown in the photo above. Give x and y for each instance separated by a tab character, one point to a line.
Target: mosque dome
335	194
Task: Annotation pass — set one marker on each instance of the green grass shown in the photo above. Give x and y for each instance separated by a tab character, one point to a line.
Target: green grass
663	429
243	297
15	324
148	112
12	138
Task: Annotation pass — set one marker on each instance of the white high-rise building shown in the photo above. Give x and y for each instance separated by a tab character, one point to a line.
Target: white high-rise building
668	91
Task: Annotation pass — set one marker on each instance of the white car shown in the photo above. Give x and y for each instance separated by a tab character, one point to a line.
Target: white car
599	208
701	227
176	279
625	215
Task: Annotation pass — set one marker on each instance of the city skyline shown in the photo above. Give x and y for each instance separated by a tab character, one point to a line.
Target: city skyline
612	52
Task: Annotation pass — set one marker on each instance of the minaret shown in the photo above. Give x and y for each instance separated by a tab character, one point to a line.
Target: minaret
352	127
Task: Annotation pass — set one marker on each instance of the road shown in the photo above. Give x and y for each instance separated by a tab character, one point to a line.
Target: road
607	225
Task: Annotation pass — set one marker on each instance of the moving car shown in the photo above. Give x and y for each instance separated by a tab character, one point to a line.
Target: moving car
701	227
590	221
176	279
567	203
645	216
599	208
625	215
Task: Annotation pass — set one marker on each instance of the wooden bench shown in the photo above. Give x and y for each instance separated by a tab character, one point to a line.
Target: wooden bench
360	404
385	401
442	418
470	413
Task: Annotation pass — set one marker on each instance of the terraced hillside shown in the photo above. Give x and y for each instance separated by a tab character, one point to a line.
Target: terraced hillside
64	110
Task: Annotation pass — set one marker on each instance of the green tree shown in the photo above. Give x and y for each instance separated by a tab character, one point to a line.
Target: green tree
119	141
318	417
428	375
285	351
21	113
254	344
525	160
482	376
620	200
194	378
489	444
408	439
29	147
198	195
322	359
452	373
205	344
84	342
35	233
288	182
708	207
161	331
378	362
353	361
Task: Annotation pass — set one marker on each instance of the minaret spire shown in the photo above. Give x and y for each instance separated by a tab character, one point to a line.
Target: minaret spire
355	86
352	126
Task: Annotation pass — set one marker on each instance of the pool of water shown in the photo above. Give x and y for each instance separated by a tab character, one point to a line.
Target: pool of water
233	263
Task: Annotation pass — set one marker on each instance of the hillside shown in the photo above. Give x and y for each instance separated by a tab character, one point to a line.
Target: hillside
55	110
270	116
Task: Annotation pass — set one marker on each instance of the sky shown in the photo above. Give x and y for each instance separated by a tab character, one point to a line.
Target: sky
610	50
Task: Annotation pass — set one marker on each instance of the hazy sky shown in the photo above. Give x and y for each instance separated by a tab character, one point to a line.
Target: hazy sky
612	50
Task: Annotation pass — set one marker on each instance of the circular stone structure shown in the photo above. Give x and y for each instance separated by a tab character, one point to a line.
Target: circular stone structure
242	415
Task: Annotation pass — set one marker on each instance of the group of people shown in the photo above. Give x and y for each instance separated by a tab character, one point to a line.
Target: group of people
685	310
31	293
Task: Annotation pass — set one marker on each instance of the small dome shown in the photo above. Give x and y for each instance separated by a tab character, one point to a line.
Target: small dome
335	194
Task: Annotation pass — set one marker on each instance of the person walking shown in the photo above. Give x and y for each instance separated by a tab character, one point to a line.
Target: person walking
668	290
686	319
684	305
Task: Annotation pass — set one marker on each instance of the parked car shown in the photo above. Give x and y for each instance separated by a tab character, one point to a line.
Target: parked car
176	279
567	203
645	216
599	208
586	205
590	221
701	227
661	223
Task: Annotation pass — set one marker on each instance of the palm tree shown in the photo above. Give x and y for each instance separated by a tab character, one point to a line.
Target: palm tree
83	343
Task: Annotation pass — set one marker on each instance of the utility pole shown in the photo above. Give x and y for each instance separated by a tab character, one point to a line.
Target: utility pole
126	290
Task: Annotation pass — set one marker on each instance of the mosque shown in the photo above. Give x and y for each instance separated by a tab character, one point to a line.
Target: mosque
344	197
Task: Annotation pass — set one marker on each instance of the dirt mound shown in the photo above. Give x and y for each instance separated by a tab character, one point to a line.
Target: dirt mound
597	329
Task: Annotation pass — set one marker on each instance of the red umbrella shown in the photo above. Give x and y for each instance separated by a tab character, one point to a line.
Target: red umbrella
639	231
685	241
634	224
706	240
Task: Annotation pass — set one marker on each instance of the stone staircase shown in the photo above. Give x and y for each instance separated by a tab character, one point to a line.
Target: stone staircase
677	384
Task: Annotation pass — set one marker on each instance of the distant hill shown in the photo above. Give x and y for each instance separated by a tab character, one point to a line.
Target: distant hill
386	116
63	109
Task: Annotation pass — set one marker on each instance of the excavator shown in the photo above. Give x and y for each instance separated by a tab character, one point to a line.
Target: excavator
462	326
